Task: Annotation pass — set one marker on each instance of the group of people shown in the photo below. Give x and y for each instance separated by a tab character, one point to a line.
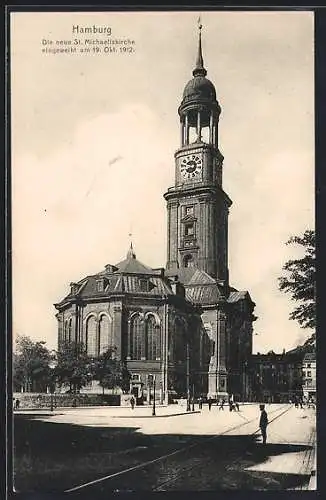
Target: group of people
233	405
300	402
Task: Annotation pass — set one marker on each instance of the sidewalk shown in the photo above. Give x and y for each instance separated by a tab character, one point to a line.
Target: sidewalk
113	411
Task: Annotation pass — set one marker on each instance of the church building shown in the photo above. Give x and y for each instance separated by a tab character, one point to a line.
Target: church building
184	325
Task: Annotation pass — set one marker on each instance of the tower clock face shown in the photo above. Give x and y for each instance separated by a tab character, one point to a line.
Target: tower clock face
191	166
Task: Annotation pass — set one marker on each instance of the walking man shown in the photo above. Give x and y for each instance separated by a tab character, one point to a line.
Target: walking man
263	422
132	402
210	403
221	407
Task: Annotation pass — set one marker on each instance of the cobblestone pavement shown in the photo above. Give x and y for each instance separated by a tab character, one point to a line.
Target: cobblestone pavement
210	450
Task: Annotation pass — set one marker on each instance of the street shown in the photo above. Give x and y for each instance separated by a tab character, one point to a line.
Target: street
97	451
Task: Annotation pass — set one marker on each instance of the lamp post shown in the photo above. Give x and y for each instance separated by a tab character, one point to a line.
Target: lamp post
193	397
188	377
52	366
154	407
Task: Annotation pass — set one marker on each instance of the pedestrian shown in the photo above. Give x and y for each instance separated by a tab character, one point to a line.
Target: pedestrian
132	402
237	405
210	403
17	404
263	422
221	407
200	402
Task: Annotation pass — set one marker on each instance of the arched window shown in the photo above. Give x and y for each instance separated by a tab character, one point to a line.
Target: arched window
91	337
137	350
105	333
152	339
188	261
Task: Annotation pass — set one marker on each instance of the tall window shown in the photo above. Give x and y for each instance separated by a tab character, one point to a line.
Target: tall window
105	333
137	350
152	337
70	330
189	229
65	331
91	337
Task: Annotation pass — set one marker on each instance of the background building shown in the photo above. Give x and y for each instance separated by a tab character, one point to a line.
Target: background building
275	378
309	375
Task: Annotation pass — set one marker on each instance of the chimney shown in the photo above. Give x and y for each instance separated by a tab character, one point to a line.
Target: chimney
74	287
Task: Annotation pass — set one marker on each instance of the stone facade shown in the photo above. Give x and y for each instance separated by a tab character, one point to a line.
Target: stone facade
309	375
146	317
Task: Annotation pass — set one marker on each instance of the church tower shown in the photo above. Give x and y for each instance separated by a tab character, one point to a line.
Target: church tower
197	206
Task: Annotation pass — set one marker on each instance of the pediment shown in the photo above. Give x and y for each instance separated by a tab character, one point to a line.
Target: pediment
189	218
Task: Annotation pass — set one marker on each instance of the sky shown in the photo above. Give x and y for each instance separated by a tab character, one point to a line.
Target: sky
93	139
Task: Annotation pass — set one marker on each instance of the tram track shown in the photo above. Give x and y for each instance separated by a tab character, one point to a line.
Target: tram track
169	482
193	463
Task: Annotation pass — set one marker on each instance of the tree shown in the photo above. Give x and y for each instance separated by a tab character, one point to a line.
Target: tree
111	372
30	364
74	367
300	280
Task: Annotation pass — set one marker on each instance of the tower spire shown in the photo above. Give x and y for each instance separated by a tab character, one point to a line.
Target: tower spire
199	69
131	254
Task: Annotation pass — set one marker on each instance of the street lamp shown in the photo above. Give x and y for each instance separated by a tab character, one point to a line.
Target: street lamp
154	386
52	366
188	377
193	397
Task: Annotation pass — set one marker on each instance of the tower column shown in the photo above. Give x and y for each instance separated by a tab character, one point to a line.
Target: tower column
221	352
216	135
211	128
198	125
186	130
182	132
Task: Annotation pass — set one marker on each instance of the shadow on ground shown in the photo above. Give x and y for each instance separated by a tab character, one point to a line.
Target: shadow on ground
52	457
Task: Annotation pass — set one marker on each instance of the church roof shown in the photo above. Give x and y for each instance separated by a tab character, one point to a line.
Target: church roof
191	276
204	294
237	295
128	276
133	266
203	289
121	283
200	287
